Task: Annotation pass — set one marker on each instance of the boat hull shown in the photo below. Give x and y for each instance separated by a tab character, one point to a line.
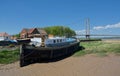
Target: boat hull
23	41
30	53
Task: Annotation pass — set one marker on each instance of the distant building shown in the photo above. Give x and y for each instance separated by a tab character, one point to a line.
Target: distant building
4	36
32	32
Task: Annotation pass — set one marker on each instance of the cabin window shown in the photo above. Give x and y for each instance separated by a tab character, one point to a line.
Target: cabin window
57	41
54	41
60	40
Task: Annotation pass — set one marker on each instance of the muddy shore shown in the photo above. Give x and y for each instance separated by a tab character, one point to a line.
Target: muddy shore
88	65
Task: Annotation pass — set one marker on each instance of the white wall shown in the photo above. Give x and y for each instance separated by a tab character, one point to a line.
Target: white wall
4	38
1	38
36	40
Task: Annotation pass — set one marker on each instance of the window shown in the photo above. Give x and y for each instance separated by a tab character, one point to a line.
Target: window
54	41
57	40
60	40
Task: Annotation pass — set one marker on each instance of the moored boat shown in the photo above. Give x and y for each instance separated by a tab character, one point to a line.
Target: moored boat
49	49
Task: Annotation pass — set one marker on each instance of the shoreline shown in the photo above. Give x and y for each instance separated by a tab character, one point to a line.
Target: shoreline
111	40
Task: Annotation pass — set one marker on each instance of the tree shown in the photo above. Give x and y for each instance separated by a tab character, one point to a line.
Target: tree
59	31
17	35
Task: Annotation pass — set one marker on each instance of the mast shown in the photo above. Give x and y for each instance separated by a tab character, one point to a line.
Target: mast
87	28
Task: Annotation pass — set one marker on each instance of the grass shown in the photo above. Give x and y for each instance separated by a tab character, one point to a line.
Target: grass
7	56
99	48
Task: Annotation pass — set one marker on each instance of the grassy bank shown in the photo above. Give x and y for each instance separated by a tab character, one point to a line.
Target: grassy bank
99	48
8	56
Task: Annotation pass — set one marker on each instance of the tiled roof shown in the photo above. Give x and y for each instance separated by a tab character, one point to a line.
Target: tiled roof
31	30
41	31
25	30
3	34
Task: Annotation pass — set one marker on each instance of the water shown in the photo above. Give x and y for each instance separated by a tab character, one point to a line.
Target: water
100	37
111	39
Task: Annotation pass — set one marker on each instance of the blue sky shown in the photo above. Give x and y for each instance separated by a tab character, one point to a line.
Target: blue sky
104	15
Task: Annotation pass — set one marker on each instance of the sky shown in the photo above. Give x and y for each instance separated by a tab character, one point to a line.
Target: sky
104	15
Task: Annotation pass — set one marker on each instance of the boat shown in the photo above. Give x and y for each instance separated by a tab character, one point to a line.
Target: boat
23	41
47	49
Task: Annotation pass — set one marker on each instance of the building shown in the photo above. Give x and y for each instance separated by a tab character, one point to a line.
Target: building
4	36
26	33
42	32
32	32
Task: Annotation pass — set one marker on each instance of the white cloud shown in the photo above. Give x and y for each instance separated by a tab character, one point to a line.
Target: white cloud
108	29
107	26
80	32
98	27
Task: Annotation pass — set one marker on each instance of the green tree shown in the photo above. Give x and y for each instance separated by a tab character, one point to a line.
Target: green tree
60	31
17	35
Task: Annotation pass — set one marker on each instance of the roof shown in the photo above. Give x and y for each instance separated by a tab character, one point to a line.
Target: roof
3	34
41	31
29	31
26	30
